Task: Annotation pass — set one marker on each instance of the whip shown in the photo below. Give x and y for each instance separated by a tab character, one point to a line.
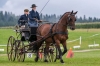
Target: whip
44	6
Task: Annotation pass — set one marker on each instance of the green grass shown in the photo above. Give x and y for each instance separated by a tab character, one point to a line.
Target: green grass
84	33
91	58
4	35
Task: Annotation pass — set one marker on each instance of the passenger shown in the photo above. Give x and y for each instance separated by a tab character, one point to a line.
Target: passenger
23	18
22	22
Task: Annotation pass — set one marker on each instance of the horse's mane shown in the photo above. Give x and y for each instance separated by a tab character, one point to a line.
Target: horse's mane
64	14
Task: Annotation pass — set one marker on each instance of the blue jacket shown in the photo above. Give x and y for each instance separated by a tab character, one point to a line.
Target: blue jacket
23	17
32	15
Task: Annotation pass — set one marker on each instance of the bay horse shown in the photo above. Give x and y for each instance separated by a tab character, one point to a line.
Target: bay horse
60	33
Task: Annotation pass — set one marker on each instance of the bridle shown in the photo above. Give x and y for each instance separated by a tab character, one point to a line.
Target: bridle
67	19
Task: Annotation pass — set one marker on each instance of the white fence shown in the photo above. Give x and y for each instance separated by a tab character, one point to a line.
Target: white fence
80	42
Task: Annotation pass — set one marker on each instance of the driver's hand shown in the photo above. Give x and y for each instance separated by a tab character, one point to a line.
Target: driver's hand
35	19
40	20
19	25
22	20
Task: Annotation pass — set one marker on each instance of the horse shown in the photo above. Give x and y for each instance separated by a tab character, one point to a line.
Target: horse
59	32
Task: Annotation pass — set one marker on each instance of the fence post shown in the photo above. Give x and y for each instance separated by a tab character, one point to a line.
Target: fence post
80	40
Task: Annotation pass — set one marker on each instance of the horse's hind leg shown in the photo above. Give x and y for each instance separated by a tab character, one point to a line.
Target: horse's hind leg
46	50
37	51
60	52
65	48
37	56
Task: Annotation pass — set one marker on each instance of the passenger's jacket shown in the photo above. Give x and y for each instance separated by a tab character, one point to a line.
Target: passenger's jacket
22	19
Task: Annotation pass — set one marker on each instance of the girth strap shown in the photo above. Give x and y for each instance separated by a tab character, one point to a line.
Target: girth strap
51	32
52	28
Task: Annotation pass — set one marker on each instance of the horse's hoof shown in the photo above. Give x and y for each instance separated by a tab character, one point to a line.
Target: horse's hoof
62	61
36	59
55	60
45	60
58	57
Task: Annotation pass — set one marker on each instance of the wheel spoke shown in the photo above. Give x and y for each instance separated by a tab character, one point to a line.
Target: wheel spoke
52	54
20	50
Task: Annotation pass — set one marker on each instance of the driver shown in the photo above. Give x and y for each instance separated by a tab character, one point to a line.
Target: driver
34	17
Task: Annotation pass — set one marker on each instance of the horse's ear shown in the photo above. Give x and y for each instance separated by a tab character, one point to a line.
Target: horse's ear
76	12
72	12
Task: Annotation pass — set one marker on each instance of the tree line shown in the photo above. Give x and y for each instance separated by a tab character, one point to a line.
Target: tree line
55	18
7	19
10	19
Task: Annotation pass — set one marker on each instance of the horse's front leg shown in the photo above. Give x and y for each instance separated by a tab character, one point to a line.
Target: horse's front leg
60	52
65	48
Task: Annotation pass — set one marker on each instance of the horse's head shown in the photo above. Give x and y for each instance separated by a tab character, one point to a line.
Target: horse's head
71	20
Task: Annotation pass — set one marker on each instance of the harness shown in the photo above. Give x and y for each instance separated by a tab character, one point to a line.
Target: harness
55	33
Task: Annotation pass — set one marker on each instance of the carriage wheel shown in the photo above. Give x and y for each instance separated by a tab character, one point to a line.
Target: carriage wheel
52	54
20	51
11	49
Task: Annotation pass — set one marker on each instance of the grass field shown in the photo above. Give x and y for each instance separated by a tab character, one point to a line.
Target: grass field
91	58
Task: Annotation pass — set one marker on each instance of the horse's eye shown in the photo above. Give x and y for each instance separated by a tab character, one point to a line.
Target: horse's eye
70	19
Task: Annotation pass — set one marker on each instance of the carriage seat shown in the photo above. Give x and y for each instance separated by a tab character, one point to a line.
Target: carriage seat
25	31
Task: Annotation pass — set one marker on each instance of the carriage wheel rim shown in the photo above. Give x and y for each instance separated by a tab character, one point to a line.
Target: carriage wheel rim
10	45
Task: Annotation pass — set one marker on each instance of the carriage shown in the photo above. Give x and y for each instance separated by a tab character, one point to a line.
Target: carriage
46	41
18	47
